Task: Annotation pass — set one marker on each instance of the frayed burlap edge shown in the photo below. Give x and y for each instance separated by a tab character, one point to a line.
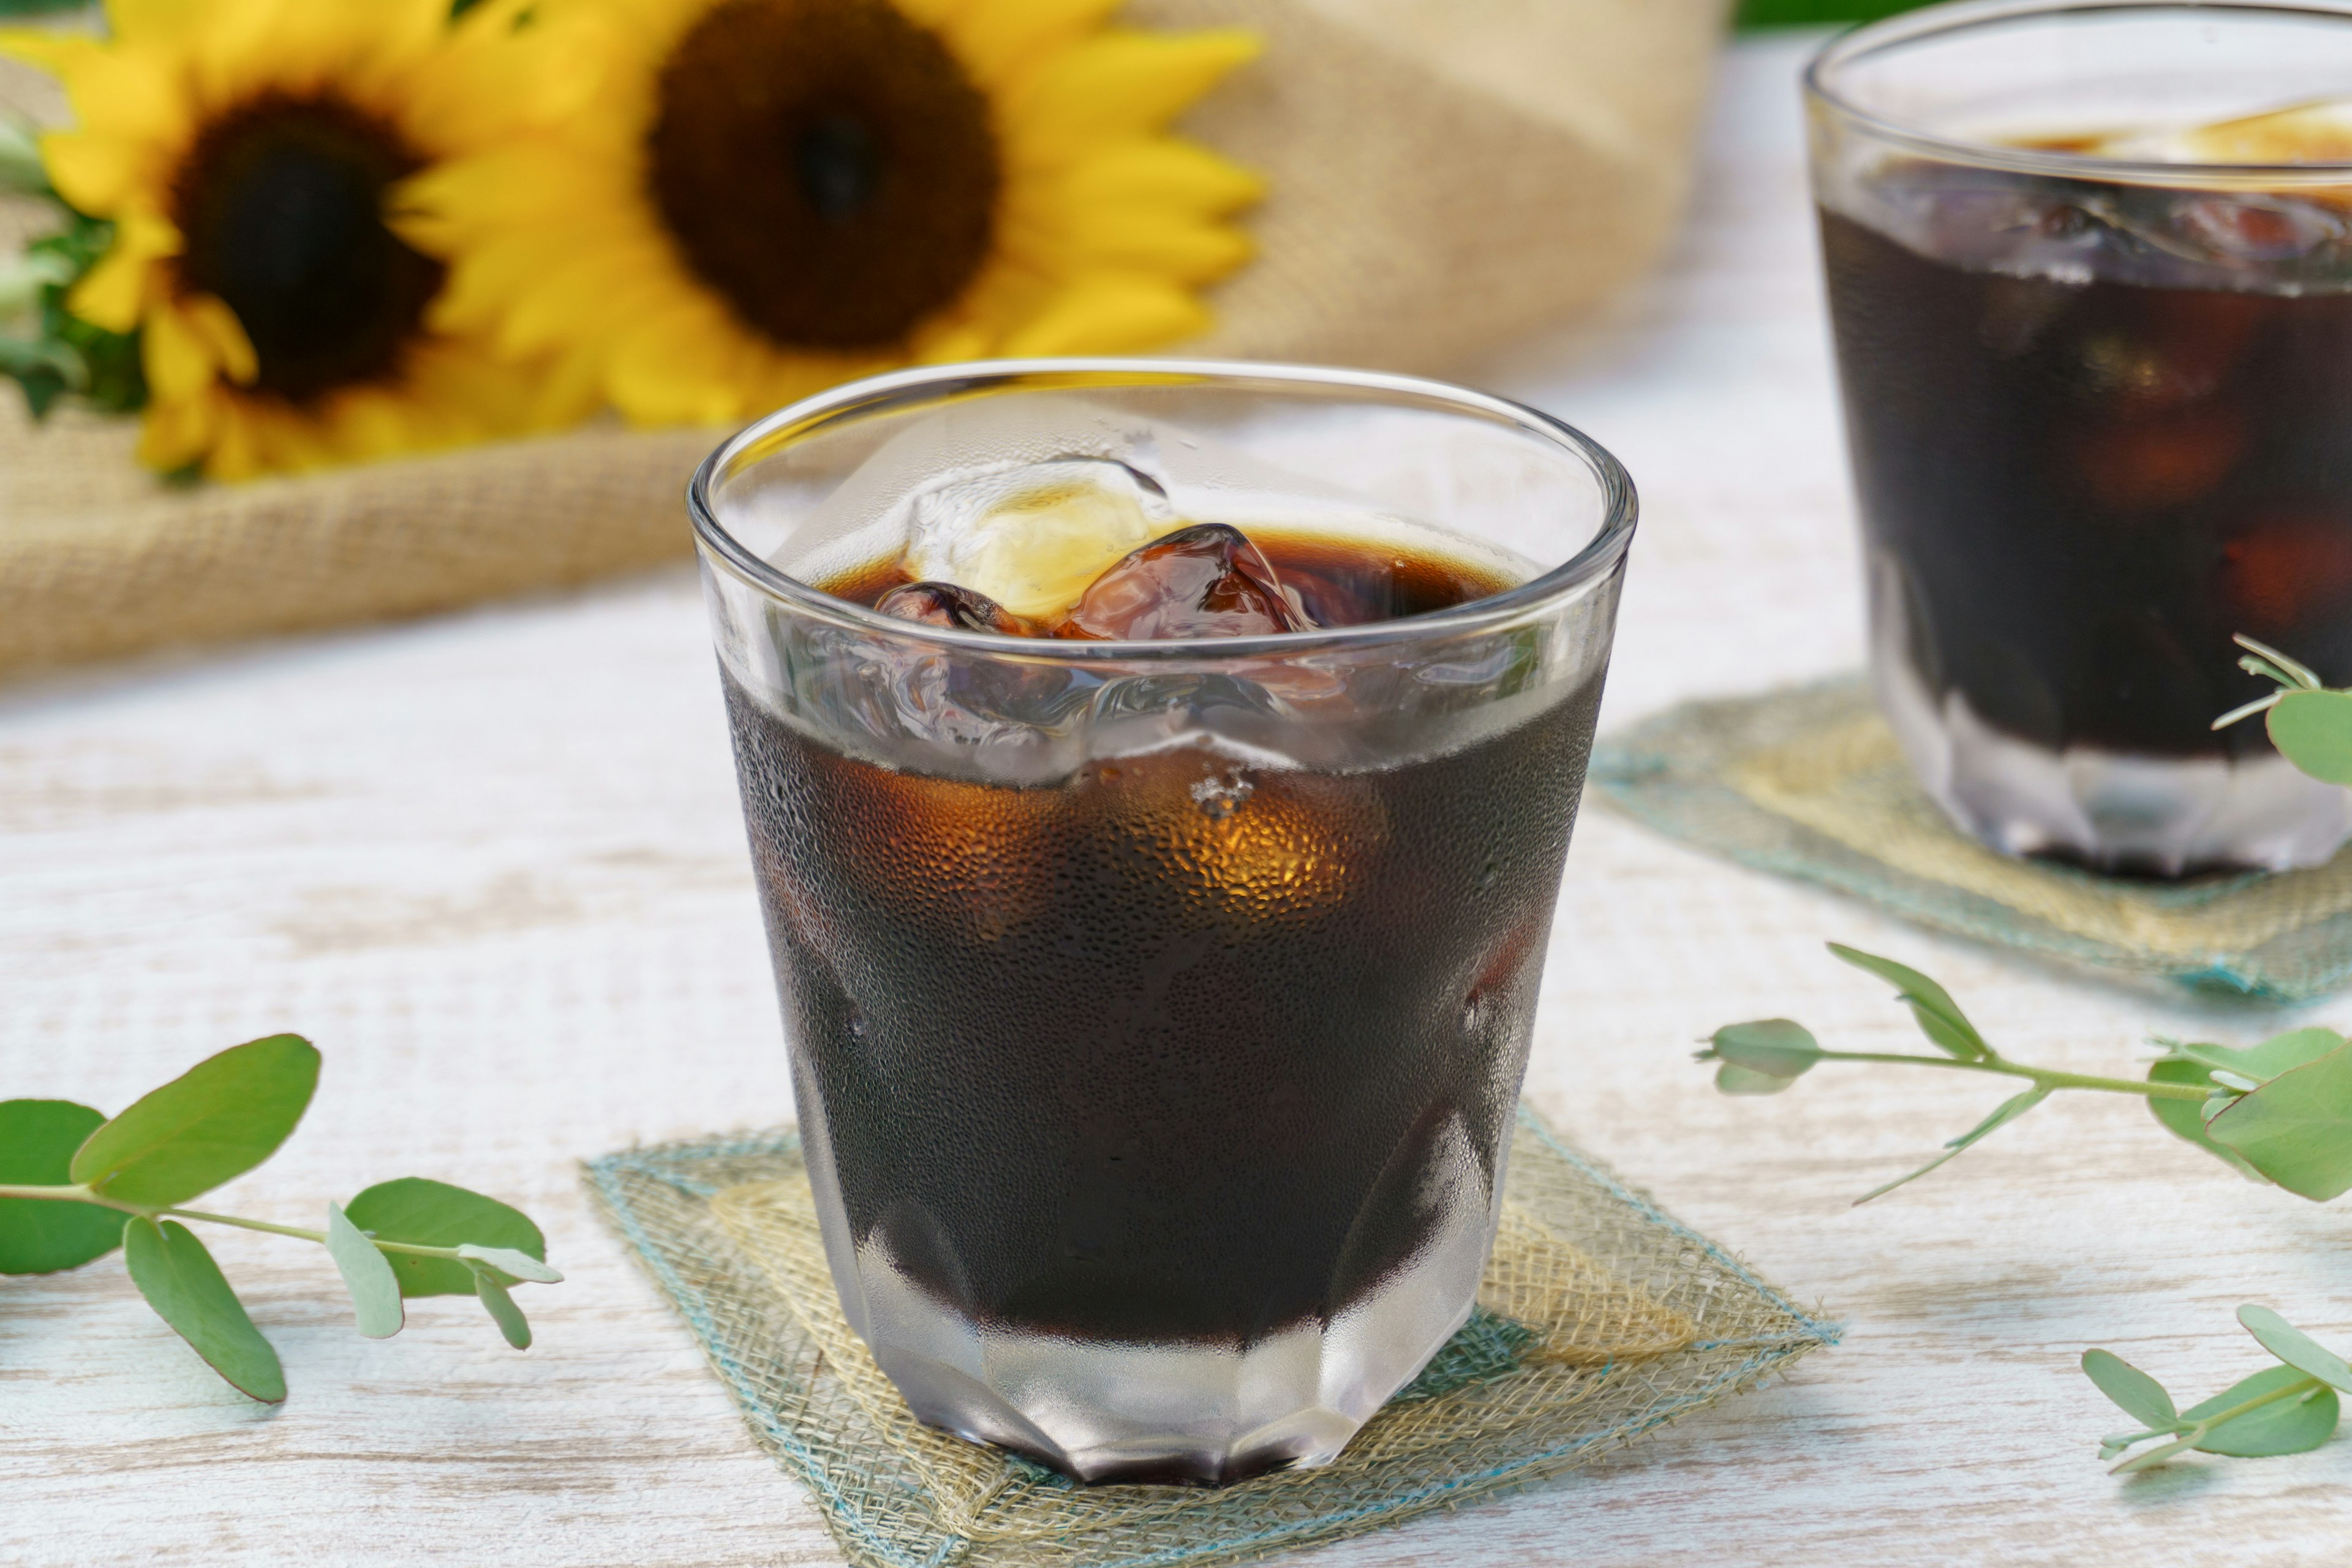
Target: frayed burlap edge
1808	781
1638	1319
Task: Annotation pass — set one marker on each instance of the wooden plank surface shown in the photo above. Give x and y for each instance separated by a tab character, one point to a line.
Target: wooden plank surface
493	864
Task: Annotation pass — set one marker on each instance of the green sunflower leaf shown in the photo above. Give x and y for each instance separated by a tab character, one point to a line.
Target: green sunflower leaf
1940	1018
215	1121
41	1236
185	1286
2313	730
426	1213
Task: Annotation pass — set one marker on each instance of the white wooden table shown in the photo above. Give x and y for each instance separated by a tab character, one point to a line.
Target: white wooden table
494	865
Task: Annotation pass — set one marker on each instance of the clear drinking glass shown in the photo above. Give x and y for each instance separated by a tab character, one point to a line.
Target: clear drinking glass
2094	325
1158	1010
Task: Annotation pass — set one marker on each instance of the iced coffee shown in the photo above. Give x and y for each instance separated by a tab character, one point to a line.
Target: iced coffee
1157	827
2096	354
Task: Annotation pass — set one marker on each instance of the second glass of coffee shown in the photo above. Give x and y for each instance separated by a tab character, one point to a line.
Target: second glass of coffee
1159	779
2090	270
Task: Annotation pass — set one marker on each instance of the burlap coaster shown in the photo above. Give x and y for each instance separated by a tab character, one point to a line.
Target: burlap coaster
1807	783
1600	1318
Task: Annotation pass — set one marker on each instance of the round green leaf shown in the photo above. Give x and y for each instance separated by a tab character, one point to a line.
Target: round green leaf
2185	1119
2294	1347
216	1121
507	1260
1932	1007
2286	1426
434	1214
503	1311
2280	1053
1777	1047
38	1235
2296	1129
375	1289
2314	731
1733	1079
185	1286
2138	1395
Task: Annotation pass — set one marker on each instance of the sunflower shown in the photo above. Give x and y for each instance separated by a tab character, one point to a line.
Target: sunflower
716	206
247	153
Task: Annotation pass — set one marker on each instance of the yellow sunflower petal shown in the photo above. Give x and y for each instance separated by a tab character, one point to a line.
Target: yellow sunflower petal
222	335
937	15
1145	240
178	360
113	293
1110	315
176	434
992	37
236	451
666	370
1160	171
94	173
154	23
1119	83
60	54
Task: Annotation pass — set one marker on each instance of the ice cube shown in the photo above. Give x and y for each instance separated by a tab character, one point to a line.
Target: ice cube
1032	538
1205	581
2302	133
946	604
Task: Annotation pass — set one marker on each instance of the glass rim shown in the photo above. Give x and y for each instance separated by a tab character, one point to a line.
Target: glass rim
1934	21
1593	561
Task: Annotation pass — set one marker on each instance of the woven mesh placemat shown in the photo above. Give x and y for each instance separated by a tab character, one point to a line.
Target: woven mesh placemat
1600	1318
1808	781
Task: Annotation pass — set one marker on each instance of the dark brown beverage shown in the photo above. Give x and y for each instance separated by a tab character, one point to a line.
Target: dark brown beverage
1194	1049
2099	429
2089	478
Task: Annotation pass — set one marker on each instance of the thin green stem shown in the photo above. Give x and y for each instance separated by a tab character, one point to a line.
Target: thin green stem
2044	1077
411	1249
75	1193
293	1230
81	1194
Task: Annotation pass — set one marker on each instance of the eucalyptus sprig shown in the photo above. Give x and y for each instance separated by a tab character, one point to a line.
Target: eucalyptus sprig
2310	724
75	1183
2284	1409
2280	1112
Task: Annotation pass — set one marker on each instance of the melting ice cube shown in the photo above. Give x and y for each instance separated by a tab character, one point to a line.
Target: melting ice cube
1206	580
2302	133
1032	538
945	604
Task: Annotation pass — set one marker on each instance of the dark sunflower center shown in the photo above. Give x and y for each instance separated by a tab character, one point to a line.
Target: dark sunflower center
826	165
281	203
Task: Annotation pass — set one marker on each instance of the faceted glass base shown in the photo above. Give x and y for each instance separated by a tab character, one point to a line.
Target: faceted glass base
1117	1411
2113	811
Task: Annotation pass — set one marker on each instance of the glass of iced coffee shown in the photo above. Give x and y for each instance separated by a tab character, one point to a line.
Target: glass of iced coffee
2090	272
1157	778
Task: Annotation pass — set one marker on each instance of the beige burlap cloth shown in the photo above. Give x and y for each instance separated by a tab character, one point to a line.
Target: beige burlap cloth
1600	1318
1809	782
1444	174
